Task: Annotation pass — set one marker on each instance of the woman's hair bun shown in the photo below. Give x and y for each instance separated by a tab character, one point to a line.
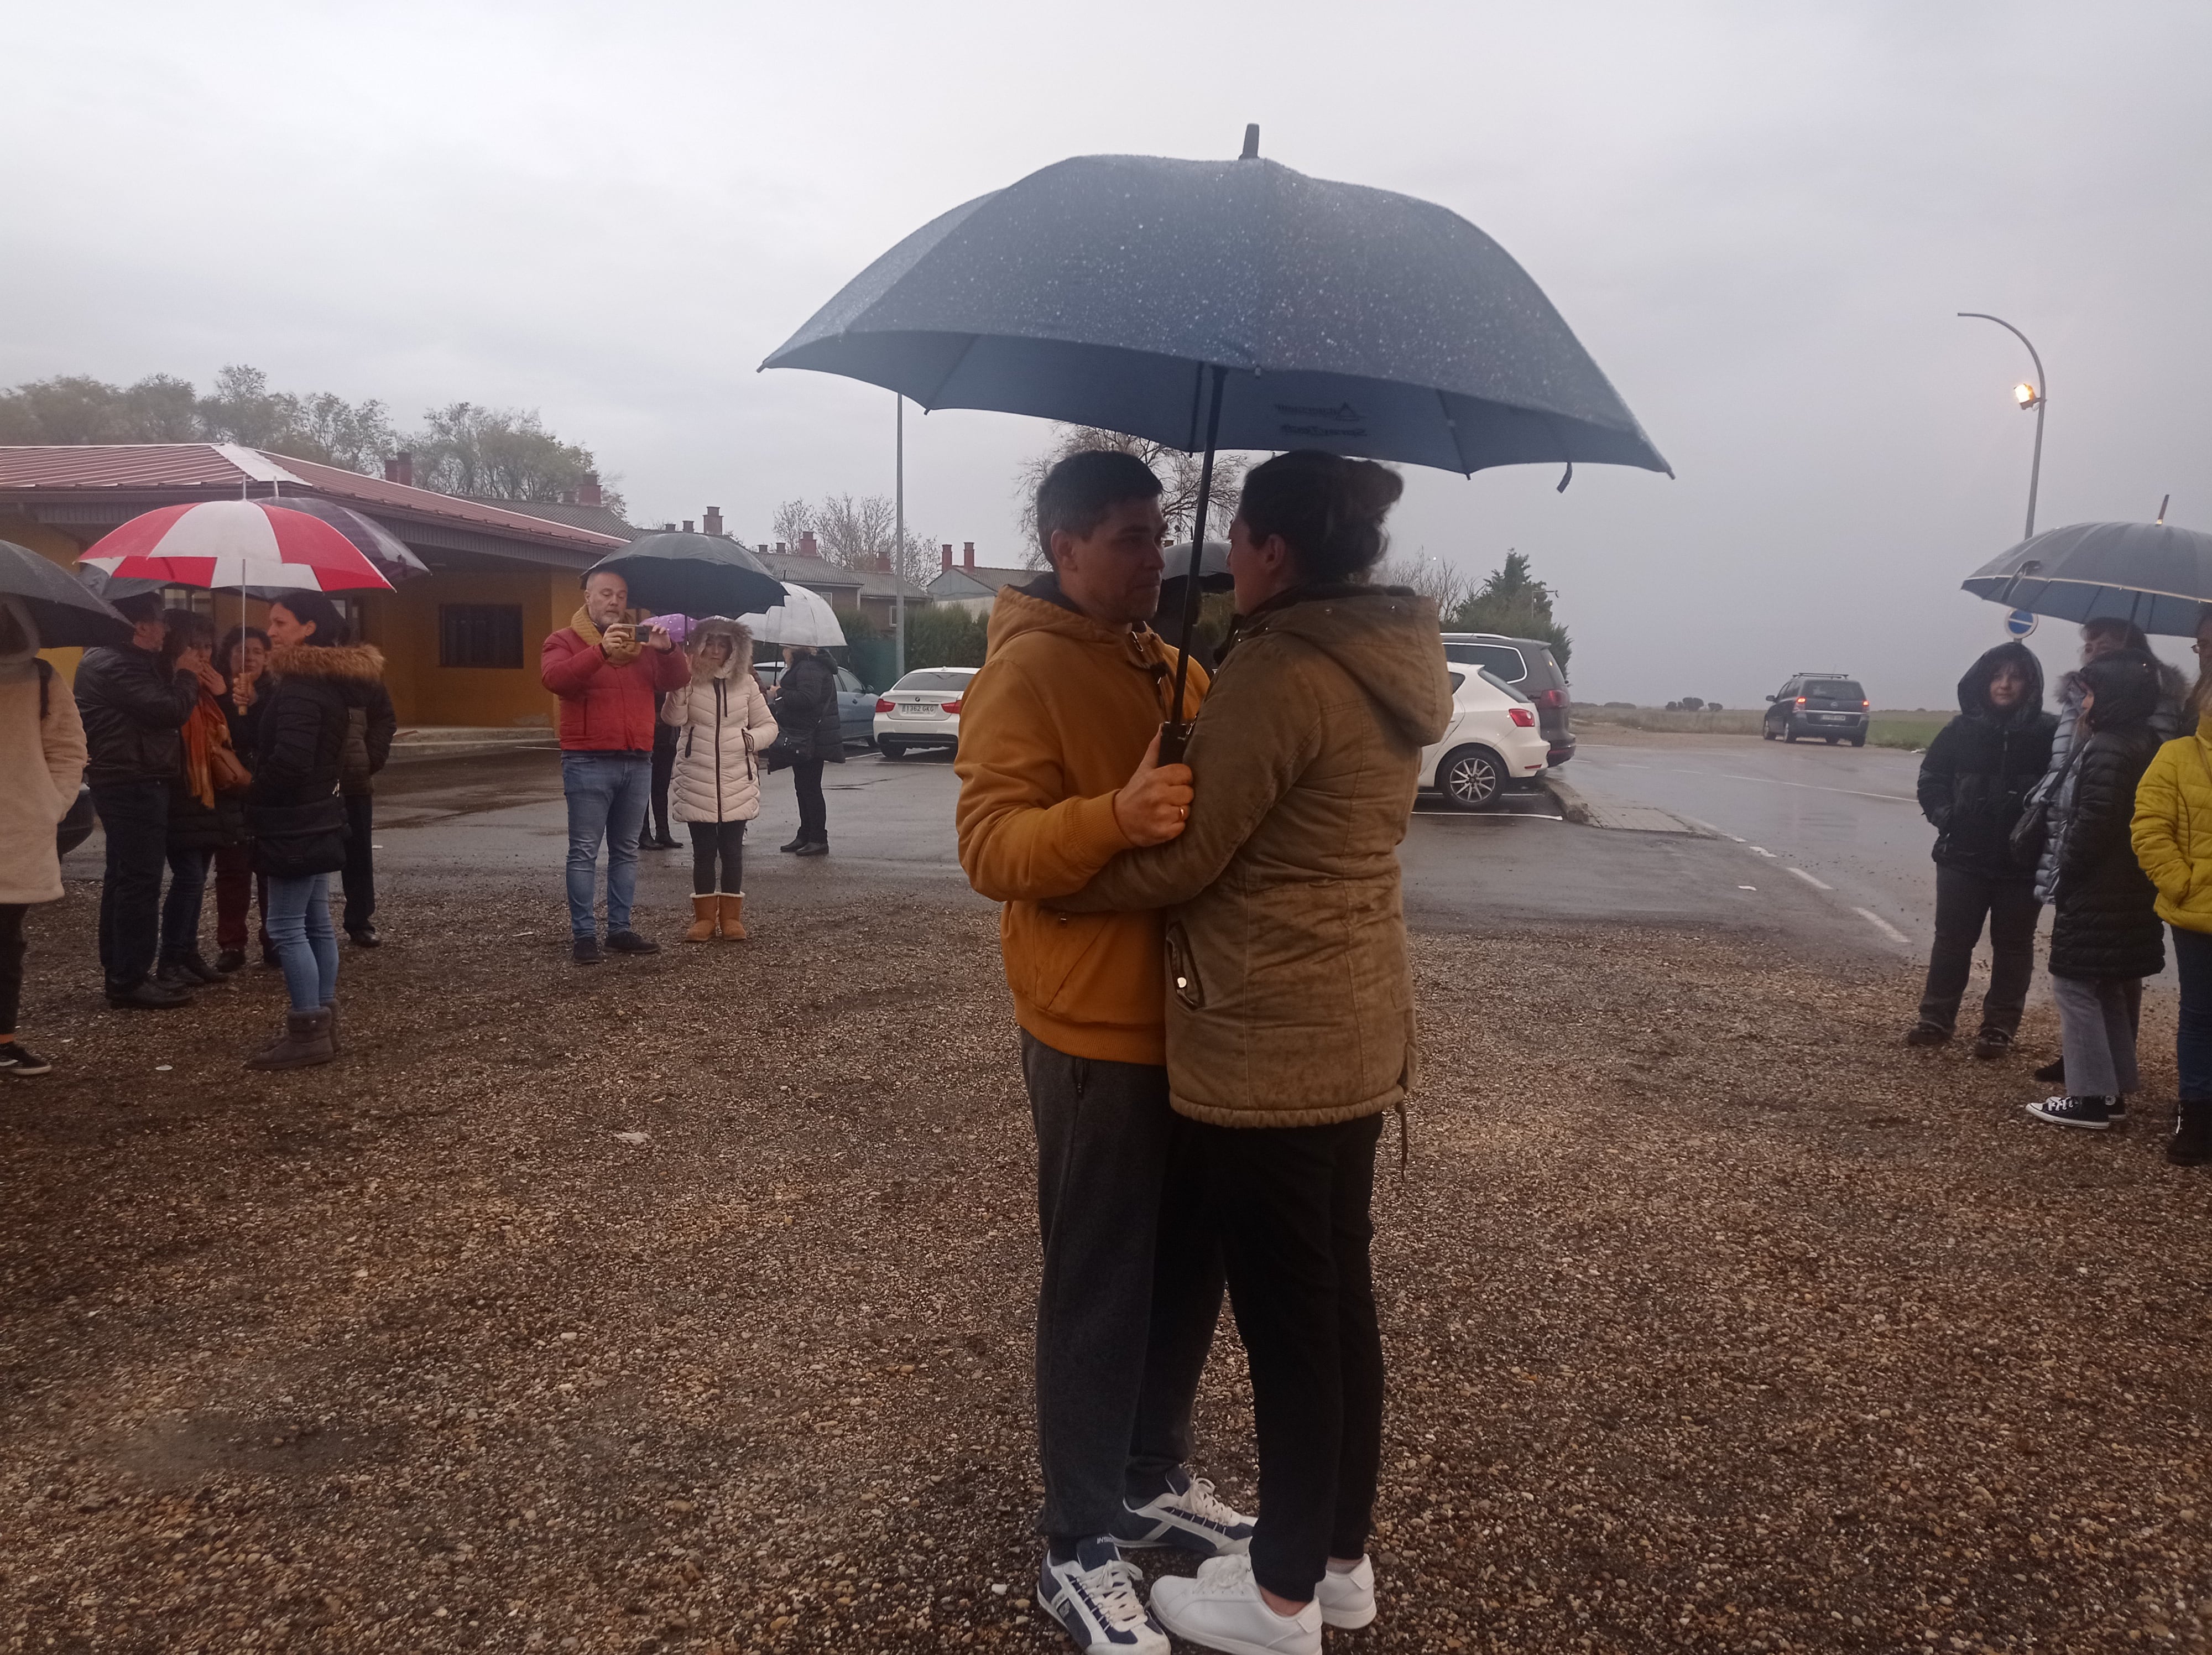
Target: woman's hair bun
1328	509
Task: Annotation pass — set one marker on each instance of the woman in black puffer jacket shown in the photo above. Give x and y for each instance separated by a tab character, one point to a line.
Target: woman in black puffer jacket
298	820
807	709
2106	938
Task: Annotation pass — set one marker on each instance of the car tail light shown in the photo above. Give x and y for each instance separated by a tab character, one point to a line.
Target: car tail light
1522	717
953	706
1552	700
1800	700
1864	705
885	704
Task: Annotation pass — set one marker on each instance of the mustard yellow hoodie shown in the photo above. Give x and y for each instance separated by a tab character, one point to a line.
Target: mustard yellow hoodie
1050	730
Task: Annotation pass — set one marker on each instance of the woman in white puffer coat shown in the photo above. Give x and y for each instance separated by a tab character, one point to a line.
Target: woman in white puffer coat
722	724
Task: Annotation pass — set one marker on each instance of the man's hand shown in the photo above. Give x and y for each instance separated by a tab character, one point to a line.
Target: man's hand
1154	804
659	639
619	634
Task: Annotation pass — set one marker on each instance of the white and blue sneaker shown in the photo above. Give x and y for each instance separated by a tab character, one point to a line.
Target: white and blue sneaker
1189	1517
1094	1595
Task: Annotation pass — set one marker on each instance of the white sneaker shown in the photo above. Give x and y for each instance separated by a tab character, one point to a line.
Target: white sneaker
1188	1516
1221	1609
1094	1596
1347	1600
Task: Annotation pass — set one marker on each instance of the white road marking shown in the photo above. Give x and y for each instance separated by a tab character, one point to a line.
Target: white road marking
1883	926
1746	887
1810	880
1812	787
1756	850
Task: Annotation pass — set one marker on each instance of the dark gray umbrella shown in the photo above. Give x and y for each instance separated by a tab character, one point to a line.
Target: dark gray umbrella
68	614
693	574
370	538
1213	568
2153	573
1228	304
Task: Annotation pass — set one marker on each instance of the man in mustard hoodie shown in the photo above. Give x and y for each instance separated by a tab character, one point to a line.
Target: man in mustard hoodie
1059	771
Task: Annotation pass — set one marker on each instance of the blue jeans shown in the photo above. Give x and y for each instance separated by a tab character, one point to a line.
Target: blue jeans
608	793
2193	1040
300	923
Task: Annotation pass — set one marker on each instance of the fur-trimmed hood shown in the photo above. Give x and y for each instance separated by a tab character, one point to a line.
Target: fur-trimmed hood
741	645
364	663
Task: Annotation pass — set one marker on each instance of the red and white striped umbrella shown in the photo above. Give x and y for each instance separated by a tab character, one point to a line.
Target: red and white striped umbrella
234	543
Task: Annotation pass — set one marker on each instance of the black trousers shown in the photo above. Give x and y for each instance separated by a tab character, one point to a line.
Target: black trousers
135	817
1292	1205
664	772
1131	1288
359	874
813	813
11	964
1964	899
713	842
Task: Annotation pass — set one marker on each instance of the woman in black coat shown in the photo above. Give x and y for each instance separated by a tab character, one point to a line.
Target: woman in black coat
806	708
1973	781
2106	937
298	820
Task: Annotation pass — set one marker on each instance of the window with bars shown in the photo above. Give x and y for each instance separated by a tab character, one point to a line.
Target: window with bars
480	634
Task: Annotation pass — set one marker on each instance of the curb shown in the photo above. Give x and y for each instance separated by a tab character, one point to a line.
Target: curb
1572	805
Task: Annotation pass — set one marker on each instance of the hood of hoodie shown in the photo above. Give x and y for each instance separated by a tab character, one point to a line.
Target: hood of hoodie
2127	684
1039	607
741	645
1388	640
1974	687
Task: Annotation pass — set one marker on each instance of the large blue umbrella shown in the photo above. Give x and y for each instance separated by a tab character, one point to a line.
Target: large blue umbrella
2153	573
1228	304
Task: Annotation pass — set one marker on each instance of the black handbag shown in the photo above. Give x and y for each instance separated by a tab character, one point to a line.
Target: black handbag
292	842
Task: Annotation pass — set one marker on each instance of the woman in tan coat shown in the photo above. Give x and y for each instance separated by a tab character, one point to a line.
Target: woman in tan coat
1289	1013
722	723
42	755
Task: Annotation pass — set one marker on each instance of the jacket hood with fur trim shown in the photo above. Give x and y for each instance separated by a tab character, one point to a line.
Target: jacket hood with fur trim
361	663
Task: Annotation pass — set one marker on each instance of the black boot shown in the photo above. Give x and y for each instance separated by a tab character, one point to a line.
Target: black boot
797	843
815	846
2191	1142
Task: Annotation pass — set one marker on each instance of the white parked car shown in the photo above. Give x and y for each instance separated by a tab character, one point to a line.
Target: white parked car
922	710
1495	742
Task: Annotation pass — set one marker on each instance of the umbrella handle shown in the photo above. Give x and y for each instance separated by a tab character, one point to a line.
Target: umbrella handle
1175	740
1176	733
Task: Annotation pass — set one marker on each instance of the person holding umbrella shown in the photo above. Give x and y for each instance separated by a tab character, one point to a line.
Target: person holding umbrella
42	751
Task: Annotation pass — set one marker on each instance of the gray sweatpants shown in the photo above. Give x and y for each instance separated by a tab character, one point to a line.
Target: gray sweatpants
1131	1287
2097	1019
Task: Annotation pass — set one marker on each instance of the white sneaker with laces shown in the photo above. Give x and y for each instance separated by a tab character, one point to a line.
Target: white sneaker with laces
1094	1596
1347	1599
1188	1516
1220	1608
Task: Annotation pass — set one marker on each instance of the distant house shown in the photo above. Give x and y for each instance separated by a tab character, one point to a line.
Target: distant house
873	592
972	586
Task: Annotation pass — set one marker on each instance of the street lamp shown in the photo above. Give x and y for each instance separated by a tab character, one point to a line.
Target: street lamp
2027	395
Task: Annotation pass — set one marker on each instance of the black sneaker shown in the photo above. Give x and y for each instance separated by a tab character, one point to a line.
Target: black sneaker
1928	1034
629	942
799	843
815	848
146	996
16	1058
229	960
366	937
2091	1114
1993	1043
196	963
2052	1073
175	974
584	951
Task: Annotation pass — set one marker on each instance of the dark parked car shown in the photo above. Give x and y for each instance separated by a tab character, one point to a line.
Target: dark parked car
856	702
1527	664
1824	705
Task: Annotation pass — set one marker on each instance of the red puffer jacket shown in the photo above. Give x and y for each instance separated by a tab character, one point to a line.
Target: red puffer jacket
605	708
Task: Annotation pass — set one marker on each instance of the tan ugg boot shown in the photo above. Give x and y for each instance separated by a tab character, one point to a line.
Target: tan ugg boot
306	1039
702	919
733	918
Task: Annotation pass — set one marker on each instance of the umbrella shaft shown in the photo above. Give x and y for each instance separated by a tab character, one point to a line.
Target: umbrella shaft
1176	731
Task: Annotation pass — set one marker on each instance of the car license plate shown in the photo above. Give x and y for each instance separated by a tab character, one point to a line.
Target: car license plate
917	709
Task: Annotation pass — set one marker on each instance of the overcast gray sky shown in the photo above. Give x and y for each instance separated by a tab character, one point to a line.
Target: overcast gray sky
1759	217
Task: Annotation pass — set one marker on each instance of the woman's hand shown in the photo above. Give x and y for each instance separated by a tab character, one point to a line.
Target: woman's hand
1154	804
210	680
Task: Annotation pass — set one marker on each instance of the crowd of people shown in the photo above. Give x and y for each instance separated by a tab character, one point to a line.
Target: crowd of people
2102	810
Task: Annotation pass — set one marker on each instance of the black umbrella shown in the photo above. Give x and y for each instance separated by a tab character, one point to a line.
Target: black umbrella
68	614
2154	574
385	550
1228	304
693	574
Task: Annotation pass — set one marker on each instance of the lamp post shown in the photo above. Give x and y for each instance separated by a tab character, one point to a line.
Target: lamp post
2028	395
898	554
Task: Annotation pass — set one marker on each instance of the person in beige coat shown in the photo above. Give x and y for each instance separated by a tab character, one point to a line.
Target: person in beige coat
42	755
1290	1013
722	723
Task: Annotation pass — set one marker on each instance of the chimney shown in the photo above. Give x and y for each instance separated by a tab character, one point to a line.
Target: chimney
763	546
566	497
882	563
713	520
946	563
782	549
587	494
400	469
968	553
807	545
687	526
669	528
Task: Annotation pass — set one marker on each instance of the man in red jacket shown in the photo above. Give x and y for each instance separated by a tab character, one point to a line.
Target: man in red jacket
610	679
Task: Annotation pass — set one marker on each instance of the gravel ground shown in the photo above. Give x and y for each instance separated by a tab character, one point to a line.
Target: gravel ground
683	1305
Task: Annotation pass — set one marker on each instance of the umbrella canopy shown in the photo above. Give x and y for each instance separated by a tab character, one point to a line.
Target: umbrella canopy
385	550
802	616
693	574
1213	567
2154	574
1100	290
234	543
67	614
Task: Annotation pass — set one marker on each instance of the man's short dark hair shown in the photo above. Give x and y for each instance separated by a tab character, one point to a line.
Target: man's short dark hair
138	606
1076	494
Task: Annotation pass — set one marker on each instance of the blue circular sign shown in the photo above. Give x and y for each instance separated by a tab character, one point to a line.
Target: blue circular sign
2020	623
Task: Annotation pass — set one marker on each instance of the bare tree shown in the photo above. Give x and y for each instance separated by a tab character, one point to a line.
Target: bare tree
1178	473
1429	577
793	519
498	454
858	533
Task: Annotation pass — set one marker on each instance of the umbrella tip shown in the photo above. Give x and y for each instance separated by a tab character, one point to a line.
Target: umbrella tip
2162	505
1251	142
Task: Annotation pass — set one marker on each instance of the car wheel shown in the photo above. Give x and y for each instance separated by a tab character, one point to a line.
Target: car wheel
1858	741
1766	730
891	749
1789	732
1471	778
1831	739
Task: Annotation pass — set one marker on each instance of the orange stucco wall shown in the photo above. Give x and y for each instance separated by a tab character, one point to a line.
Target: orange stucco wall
403	624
